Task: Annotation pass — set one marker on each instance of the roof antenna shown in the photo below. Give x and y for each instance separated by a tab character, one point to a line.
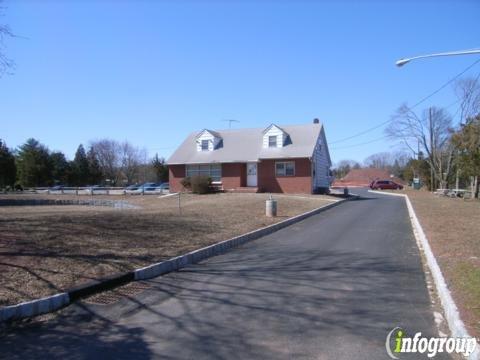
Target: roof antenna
230	122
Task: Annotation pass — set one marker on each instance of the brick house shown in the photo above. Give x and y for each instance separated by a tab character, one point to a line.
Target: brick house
287	159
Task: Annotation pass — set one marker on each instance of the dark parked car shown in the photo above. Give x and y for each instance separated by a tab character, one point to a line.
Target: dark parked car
131	188
385	185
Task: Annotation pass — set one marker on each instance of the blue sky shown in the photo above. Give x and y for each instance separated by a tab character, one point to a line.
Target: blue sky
153	71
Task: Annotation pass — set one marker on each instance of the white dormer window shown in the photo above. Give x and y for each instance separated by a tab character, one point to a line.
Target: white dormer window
208	140
274	137
272	141
205	145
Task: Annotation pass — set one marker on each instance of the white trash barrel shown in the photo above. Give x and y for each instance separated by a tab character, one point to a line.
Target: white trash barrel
271	208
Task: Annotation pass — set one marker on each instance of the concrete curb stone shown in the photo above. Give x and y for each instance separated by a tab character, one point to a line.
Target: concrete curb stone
34	307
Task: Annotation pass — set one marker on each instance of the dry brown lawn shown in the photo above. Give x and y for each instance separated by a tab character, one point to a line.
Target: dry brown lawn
453	230
47	249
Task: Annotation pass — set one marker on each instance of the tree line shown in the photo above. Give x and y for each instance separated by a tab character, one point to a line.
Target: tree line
443	157
440	153
105	162
445	154
396	163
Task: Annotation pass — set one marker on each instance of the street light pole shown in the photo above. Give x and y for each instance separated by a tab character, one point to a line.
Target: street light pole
402	62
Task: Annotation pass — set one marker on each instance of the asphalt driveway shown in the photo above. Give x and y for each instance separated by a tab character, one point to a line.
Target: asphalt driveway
329	287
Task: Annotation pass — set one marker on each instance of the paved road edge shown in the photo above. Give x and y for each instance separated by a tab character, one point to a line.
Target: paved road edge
452	315
57	301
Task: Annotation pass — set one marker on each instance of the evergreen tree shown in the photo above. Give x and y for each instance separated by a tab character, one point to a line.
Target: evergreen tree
161	169
467	144
61	170
8	169
80	167
34	165
417	168
94	170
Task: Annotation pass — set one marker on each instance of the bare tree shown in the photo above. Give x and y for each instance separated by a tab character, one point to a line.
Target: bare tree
395	162
380	160
430	134
401	158
343	167
468	93
119	162
131	161
5	62
107	152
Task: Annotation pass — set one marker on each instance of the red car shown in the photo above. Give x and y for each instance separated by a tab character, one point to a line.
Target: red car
385	185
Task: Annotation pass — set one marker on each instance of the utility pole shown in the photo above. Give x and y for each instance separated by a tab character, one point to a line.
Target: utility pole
432	150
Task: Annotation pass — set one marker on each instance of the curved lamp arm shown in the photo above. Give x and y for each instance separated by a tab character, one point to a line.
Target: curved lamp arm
402	62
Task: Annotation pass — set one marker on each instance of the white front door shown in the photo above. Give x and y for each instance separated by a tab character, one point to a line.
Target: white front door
252	174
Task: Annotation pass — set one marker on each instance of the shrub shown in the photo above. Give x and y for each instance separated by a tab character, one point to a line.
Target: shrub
200	184
186	182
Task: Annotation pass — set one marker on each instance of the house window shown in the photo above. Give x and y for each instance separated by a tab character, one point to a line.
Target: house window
204	145
272	141
212	170
286	168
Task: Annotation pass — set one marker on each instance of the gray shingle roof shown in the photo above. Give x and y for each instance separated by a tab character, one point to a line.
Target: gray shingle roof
242	145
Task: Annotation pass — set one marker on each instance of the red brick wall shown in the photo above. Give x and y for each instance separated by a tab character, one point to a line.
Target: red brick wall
175	174
300	183
234	175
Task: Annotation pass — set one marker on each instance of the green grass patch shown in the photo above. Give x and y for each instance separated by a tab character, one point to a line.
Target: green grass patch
467	280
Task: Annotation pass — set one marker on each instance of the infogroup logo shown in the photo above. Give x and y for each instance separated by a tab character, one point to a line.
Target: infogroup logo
398	343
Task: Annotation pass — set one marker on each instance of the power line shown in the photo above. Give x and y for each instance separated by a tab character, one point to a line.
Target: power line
361	133
446	84
416	104
360	144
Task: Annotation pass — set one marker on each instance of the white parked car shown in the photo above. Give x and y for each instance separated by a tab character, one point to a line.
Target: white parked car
93	189
147	188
